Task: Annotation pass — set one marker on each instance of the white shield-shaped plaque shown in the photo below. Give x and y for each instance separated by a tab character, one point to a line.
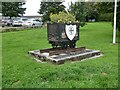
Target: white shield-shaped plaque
70	31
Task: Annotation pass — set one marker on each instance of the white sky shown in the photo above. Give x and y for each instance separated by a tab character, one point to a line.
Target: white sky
32	6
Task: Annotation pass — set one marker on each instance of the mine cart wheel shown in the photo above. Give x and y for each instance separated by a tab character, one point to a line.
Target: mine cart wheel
54	46
72	45
64	46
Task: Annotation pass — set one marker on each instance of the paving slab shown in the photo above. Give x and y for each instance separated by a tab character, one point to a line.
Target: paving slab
60	56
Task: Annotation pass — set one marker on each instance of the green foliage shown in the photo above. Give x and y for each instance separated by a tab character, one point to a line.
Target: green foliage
118	16
78	9
0	7
46	8
105	17
13	9
62	17
90	11
21	71
105	11
104	7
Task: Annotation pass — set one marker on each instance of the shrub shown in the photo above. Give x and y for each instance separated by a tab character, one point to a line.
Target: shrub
105	17
118	16
62	17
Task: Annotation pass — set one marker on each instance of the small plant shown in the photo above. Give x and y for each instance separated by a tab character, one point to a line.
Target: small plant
62	17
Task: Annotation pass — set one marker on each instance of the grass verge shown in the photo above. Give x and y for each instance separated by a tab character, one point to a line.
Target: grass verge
20	71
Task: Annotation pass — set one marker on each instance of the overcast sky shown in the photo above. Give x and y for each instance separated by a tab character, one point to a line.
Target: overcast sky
32	6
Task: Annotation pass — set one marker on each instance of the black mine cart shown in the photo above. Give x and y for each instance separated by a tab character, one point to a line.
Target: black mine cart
62	34
63	38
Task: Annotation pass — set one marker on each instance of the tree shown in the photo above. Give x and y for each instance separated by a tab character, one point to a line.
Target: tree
46	8
105	10
108	7
105	7
91	11
13	9
0	7
77	9
118	16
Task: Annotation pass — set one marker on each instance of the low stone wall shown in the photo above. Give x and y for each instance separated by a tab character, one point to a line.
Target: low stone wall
12	29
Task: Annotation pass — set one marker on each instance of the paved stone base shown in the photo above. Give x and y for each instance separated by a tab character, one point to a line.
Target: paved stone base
62	57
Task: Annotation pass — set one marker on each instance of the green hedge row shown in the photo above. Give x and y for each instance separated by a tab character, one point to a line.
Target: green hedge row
105	17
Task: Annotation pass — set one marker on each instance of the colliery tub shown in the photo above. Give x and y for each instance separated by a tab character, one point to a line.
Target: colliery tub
62	34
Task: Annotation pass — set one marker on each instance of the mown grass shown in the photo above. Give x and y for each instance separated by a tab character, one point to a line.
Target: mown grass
20	71
0	60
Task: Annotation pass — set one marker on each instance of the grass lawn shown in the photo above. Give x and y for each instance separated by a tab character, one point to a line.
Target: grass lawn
20	71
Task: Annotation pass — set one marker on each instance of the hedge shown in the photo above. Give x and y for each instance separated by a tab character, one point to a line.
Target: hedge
105	17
